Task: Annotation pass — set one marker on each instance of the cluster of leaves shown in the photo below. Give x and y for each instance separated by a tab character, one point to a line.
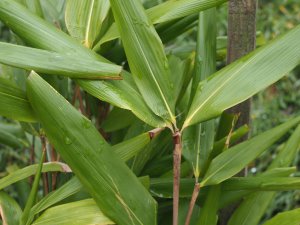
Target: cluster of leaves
123	174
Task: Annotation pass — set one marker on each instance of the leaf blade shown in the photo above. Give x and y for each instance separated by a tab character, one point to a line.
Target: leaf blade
14	103
84	19
56	63
76	213
146	57
100	171
234	159
266	64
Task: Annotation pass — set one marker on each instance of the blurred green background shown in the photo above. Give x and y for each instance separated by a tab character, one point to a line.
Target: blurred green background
270	107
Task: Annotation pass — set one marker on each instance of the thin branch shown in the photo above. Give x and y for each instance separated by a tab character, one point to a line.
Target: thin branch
176	171
192	203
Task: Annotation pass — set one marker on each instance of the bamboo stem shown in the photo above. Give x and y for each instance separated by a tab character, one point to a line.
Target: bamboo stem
176	171
192	203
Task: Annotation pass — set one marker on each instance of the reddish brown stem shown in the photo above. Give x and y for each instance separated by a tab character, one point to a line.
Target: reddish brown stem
176	171
77	95
192	203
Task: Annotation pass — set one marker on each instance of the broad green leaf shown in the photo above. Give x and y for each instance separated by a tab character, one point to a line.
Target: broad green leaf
84	19
127	149
234	159
34	6
167	11
10	211
10	140
266	65
209	212
175	9
14	103
254	206
34	190
262	183
286	218
183	210
54	10
235	195
12	128
179	70
146	57
170	30
118	119
56	63
99	169
40	34
163	187
76	213
69	188
122	95
202	135
31	170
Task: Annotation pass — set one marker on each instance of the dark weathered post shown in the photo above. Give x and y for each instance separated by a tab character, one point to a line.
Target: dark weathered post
241	40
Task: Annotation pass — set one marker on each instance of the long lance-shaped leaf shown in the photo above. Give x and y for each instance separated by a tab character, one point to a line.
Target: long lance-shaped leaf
14	103
57	64
127	149
162	187
286	218
254	206
10	140
203	134
171	10
40	34
10	211
76	213
262	183
234	196
71	187
167	11
209	213
34	6
31	170
117	119
124	150
122	95
146	57
84	19
100	171
234	159
34	190
266	65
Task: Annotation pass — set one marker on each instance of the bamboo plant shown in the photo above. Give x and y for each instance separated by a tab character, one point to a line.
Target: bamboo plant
96	89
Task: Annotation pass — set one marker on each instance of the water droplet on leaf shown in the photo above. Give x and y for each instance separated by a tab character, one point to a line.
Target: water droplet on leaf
68	141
